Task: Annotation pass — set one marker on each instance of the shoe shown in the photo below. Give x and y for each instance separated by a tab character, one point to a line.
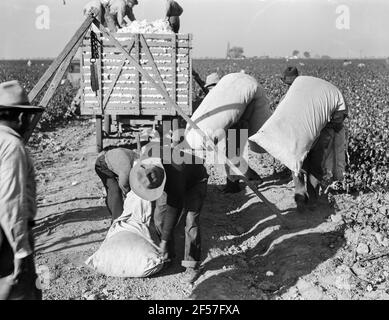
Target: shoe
167	264
301	202
285	174
190	276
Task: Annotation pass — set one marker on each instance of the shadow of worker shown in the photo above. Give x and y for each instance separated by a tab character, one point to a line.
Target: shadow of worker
291	258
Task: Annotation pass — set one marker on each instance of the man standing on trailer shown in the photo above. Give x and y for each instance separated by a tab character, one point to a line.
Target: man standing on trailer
18	279
112	13
173	13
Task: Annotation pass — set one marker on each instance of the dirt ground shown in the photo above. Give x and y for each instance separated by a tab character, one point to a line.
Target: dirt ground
248	253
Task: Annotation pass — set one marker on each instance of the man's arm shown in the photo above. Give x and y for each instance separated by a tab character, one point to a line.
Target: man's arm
175	190
130	14
14	217
170	221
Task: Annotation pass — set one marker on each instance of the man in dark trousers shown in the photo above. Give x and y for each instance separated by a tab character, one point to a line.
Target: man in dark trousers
173	13
186	188
18	279
113	167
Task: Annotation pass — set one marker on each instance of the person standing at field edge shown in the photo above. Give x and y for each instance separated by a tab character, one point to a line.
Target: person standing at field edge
17	197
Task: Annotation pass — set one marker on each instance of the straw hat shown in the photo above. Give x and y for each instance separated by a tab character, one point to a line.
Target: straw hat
212	80
148	179
13	96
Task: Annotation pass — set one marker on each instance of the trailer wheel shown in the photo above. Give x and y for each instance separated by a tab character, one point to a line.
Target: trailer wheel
99	133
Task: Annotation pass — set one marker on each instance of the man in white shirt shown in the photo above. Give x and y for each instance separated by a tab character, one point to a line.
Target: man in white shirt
328	101
17	197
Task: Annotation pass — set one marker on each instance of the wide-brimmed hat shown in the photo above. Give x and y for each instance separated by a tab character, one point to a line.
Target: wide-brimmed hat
148	178
13	96
289	75
212	80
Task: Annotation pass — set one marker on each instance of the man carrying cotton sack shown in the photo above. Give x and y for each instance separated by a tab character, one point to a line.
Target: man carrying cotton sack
237	102
304	131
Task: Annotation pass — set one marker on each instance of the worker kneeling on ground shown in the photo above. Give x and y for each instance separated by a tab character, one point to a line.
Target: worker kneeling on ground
186	188
237	102
185	185
306	134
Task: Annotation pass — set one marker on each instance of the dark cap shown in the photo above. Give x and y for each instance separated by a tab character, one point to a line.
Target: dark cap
289	75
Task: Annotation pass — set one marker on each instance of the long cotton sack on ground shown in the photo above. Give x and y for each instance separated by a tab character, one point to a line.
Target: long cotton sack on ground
128	250
235	95
298	120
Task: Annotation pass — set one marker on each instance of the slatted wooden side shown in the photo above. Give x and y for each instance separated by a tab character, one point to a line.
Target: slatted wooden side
131	94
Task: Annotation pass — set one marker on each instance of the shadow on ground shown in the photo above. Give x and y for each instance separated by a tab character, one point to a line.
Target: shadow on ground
251	241
65	237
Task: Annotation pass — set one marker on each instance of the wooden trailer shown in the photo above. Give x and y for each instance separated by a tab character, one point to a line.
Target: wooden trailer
122	97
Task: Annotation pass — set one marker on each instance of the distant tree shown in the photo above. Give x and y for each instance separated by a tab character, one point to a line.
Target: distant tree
307	54
295	53
326	57
236	52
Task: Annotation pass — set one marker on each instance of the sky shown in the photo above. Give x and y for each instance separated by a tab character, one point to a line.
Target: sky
261	27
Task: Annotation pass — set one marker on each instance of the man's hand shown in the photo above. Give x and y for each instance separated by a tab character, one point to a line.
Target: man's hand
92	7
124	183
164	251
19	266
